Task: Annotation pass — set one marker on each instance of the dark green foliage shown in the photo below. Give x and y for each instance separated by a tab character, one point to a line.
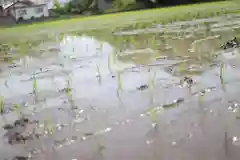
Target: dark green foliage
74	6
80	6
172	2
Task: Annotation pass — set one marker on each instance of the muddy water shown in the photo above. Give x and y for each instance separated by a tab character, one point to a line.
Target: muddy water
115	96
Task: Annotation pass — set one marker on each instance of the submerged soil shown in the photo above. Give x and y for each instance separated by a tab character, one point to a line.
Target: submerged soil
165	92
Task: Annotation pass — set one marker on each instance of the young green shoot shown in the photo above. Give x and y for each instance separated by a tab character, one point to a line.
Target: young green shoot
17	109
152	112
119	80
2	109
221	70
68	92
35	89
221	76
48	126
151	79
153	115
201	98
34	85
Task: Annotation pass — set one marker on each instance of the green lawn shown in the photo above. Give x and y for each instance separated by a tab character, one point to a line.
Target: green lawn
111	21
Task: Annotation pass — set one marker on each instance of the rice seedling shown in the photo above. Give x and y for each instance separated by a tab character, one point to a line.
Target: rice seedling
34	85
151	79
132	40
153	116
60	37
48	127
68	93
2	109
17	109
221	77
119	96
221	69
222	83
34	88
98	74
152	112
68	88
1	105
119	81
201	98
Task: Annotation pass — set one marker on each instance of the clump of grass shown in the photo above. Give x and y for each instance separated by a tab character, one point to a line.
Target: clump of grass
119	96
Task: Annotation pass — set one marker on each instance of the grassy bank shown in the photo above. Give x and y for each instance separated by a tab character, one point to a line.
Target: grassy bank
116	20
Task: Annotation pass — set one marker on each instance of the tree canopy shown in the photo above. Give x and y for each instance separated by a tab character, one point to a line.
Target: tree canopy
79	6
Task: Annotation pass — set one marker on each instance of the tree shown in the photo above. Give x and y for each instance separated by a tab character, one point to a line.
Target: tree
56	4
79	6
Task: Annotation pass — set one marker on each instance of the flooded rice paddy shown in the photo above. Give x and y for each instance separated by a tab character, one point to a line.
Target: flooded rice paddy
166	92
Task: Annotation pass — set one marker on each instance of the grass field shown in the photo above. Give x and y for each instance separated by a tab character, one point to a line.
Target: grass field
113	21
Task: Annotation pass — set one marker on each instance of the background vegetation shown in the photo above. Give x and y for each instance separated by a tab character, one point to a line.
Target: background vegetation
81	6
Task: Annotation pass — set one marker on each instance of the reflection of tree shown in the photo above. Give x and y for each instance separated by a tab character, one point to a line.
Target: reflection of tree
79	5
117	41
196	53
